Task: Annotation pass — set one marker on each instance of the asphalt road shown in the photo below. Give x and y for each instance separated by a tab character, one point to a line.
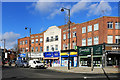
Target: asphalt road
13	73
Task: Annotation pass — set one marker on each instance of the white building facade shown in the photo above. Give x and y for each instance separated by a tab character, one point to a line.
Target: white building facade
52	46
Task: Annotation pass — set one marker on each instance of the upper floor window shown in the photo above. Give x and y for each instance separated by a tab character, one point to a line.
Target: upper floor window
74	44
36	40
89	41
69	34
41	35
96	27
117	39
36	36
74	34
90	28
83	42
36	49
20	42
110	39
117	25
56	38
96	40
64	31
47	40
83	29
64	36
23	50
32	41
56	47
52	48
41	40
25	41
41	49
32	36
51	38
47	48
32	49
110	25
64	46
74	28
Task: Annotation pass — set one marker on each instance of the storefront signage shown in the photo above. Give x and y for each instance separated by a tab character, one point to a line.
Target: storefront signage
51	54
97	49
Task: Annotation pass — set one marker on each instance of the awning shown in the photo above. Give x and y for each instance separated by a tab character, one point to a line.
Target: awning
71	53
51	58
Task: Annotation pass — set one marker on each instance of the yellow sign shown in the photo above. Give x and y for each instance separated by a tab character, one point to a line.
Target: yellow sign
71	53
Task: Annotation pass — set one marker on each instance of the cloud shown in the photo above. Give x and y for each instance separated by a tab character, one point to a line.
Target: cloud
102	8
10	38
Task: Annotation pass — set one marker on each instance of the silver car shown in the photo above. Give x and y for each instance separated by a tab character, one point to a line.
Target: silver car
21	63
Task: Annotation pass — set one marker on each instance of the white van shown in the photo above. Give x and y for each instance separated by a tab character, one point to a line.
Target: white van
36	64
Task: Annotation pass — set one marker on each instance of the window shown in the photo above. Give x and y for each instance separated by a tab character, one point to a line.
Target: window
32	49
64	46
51	38
41	35
64	31
74	34
25	41
32	36
41	40
109	39
74	28
90	28
83	42
32	41
52	48
117	25
83	29
96	27
41	49
36	49
110	25
56	47
69	45
89	41
69	34
36	36
74	44
117	39
96	40
23	50
36	40
56	38
26	49
47	40
47	48
64	36
20	42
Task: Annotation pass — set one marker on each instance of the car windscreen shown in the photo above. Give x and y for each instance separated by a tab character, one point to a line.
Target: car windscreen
38	62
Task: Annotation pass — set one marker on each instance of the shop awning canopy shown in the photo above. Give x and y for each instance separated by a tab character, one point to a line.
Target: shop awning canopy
51	58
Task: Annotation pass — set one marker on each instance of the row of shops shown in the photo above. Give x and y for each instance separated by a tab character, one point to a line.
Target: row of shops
102	55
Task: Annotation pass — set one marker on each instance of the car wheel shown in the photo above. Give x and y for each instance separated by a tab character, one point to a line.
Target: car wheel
16	65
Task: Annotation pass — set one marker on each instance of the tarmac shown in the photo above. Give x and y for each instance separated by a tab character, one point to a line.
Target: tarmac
96	70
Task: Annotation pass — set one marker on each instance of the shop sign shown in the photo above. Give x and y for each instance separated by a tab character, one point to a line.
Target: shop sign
51	54
97	49
84	51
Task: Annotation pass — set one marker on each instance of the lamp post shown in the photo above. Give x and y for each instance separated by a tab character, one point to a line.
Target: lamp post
29	41
69	35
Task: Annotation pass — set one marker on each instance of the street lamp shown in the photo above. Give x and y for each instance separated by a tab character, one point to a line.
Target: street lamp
69	34
29	40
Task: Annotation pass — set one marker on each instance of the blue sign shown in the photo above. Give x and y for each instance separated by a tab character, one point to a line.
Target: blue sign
51	54
22	55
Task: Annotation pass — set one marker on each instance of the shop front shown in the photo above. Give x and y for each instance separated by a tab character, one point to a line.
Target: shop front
52	59
73	58
87	53
112	54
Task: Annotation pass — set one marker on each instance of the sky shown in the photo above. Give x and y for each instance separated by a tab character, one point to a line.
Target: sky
40	15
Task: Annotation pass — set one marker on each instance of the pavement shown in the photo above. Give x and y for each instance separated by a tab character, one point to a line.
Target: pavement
86	70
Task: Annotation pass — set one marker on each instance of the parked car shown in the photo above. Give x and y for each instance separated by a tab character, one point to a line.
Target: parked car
21	63
36	64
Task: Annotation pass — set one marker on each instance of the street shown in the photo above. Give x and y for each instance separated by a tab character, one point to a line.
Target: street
11	73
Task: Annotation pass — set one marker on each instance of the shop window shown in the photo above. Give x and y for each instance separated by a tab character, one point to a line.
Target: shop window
110	39
96	27
74	34
83	29
83	42
117	25
90	28
110	25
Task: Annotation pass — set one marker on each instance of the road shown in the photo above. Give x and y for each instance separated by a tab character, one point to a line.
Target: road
11	73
